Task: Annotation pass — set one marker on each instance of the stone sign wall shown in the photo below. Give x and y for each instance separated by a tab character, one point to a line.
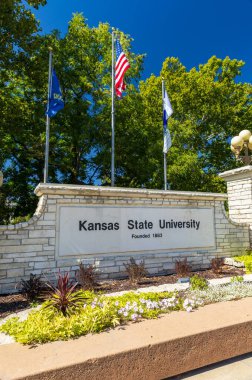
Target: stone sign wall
106	226
132	229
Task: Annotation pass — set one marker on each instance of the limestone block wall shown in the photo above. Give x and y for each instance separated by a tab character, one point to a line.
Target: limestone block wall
30	247
239	190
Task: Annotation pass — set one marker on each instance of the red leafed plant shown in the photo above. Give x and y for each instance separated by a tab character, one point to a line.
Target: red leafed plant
216	264
135	271
86	276
64	297
182	267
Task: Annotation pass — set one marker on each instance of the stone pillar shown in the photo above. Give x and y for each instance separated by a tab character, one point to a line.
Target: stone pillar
239	190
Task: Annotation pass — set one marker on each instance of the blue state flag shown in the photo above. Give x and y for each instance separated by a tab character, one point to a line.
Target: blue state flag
167	112
55	103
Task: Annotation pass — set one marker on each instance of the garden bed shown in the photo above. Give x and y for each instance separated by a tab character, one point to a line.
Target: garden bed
12	303
68	312
153	349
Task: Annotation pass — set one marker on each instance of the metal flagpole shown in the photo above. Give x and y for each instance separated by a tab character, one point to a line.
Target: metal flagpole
165	161
113	116
48	118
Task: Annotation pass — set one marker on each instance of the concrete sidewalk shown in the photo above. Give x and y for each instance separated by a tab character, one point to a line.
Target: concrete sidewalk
238	368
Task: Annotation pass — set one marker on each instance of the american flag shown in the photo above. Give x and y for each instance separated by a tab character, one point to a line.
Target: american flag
122	65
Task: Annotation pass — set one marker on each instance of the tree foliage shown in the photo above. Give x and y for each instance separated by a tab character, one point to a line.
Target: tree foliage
21	103
210	105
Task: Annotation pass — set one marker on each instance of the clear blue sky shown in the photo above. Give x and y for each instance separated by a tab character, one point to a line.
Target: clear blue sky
192	30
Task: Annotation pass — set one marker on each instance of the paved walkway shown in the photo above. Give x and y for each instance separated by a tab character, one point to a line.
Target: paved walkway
239	368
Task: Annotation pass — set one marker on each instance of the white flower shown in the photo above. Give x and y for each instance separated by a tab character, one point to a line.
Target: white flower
189	309
134	317
186	302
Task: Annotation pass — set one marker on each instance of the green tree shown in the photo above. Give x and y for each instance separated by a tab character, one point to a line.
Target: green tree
20	104
209	106
80	133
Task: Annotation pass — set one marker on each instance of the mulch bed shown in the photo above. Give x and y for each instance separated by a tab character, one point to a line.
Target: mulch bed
12	303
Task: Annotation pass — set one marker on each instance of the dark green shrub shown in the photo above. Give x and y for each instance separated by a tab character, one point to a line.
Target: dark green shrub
20	219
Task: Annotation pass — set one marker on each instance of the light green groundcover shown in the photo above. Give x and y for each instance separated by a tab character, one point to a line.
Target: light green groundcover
247	260
97	314
102	312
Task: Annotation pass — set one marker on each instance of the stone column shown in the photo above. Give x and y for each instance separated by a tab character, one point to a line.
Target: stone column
239	190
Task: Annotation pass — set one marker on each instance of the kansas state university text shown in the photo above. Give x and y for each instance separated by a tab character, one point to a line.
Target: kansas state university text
85	225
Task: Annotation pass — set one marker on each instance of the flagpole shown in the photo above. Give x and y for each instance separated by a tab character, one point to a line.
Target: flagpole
165	158
48	118
113	115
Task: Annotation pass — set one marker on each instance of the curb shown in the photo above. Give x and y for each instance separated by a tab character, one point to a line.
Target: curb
153	349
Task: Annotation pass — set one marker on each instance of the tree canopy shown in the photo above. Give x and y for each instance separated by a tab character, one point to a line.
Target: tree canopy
210	105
